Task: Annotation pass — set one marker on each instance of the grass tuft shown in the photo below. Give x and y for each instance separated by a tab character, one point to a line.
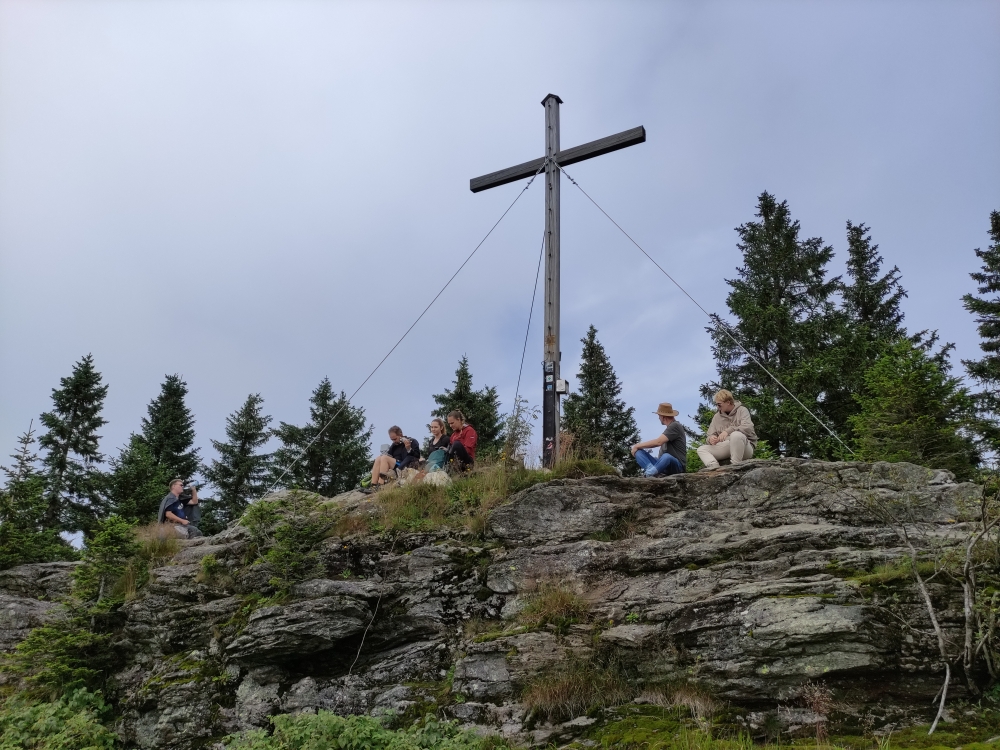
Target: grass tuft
553	604
891	572
158	543
575	689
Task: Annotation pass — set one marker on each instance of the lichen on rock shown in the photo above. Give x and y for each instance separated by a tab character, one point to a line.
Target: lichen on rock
745	582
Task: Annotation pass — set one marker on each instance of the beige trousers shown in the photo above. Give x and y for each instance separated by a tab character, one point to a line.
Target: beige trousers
736	448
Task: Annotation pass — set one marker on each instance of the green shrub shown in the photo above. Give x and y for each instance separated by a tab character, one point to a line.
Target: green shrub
75	652
59	658
106	559
286	533
325	730
694	462
73	722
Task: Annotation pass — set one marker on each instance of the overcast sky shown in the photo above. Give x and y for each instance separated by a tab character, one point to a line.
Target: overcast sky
256	195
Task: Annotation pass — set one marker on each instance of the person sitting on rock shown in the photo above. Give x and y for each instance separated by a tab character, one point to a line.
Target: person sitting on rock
462	448
403	453
172	509
731	434
437	448
672	444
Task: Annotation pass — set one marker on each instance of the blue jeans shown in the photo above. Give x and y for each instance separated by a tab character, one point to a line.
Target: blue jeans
663	466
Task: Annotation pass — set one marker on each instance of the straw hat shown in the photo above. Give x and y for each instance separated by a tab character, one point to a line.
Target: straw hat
666	409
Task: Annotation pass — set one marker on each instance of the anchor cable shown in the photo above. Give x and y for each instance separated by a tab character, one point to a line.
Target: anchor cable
405	334
723	327
531	310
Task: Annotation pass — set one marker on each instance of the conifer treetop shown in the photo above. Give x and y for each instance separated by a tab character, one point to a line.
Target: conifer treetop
596	415
168	429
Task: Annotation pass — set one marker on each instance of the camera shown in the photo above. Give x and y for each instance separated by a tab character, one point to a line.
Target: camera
186	494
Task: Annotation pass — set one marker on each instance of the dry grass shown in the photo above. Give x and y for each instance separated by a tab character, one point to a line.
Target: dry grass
575	689
136	574
159	543
580	468
467	502
553	604
352	524
688	698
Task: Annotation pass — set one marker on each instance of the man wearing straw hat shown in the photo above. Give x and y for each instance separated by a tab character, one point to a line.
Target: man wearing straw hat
672	444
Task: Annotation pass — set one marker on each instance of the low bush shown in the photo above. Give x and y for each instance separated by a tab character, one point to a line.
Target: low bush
286	533
73	722
213	572
75	651
328	730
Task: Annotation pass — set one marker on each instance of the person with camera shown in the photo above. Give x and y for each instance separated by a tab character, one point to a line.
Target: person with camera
403	453
181	509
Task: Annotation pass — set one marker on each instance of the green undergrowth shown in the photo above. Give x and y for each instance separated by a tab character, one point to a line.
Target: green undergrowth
676	722
73	722
465	504
324	730
53	680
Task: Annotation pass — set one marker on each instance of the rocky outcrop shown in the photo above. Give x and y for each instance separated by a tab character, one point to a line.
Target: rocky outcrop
29	596
743	581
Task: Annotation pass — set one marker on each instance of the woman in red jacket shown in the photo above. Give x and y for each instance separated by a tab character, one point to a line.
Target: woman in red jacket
462	451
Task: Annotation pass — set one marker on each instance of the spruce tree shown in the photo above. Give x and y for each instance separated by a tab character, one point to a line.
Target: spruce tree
168	430
986	371
913	410
481	409
872	300
240	472
597	417
340	454
71	448
784	314
24	537
137	483
872	322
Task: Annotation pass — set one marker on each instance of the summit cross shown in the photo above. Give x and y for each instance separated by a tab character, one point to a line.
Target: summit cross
552	385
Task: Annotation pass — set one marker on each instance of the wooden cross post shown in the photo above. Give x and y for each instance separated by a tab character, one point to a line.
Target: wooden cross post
552	385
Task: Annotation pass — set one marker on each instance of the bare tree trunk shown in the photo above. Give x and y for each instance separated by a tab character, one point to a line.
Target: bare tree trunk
944	694
942	646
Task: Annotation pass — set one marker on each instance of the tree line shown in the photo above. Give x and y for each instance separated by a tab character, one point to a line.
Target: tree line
59	480
838	343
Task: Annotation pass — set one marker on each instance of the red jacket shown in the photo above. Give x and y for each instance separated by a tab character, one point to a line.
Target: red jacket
467	437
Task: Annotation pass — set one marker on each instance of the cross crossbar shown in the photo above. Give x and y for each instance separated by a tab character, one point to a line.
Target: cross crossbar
563	158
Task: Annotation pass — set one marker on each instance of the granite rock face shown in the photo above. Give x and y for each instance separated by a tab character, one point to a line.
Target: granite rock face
741	580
